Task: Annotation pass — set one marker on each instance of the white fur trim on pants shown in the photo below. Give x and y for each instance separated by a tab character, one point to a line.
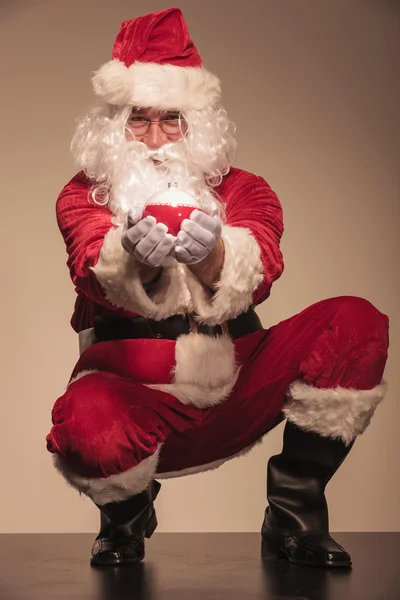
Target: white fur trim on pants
120	487
205	370
335	413
159	86
241	275
118	274
114	488
117	488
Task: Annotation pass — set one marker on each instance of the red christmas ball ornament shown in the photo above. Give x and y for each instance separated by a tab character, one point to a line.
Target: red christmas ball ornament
171	207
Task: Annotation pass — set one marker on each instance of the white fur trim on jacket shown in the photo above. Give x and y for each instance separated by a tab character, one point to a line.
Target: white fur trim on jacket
335	413
241	275
157	86
114	488
205	370
118	274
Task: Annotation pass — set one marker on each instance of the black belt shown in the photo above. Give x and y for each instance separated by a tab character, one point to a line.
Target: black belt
122	328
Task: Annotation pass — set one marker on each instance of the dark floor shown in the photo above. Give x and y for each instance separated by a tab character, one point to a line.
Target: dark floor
194	566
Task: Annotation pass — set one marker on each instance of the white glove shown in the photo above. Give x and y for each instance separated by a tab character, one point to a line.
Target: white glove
197	237
147	240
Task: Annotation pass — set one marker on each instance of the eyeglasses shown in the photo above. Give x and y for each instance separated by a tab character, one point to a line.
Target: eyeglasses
170	125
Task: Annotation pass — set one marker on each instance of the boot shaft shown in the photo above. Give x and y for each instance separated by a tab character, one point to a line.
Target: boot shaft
133	515
297	478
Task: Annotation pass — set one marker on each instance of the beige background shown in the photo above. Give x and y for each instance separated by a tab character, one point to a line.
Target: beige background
313	88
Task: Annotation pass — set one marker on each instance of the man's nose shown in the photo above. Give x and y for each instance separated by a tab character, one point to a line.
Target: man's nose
155	137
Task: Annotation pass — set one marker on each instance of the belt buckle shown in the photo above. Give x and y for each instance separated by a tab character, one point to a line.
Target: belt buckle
194	328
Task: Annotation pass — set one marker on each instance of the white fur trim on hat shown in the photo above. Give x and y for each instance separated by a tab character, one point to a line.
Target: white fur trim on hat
114	488
160	86
205	370
118	274
332	412
241	275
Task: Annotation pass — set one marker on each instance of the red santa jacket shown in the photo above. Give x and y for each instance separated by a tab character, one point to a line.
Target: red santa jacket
106	278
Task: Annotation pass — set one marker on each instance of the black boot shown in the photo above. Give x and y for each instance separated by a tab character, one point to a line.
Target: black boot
296	521
124	525
106	530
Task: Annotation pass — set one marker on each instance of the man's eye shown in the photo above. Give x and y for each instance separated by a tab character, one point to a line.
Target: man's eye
138	119
171	118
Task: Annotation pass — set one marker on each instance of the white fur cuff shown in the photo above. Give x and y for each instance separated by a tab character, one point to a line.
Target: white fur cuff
241	275
114	488
336	413
157	86
118	274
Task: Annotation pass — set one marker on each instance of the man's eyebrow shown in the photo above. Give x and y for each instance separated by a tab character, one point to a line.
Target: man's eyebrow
169	111
138	111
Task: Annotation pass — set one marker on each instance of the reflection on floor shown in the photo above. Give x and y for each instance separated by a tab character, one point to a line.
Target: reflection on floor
194	566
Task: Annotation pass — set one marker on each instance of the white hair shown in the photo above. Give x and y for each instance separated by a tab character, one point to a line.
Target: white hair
123	171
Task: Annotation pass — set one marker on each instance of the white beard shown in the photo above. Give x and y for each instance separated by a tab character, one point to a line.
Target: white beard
142	172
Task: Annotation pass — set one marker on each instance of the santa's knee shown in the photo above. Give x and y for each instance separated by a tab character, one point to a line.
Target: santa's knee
104	467
358	319
341	382
350	346
97	448
92	452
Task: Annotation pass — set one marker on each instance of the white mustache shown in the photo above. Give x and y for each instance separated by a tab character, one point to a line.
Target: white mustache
171	151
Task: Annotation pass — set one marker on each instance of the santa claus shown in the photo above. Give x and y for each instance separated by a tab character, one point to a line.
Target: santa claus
170	248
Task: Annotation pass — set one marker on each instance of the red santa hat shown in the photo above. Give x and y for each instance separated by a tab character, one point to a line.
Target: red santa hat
156	64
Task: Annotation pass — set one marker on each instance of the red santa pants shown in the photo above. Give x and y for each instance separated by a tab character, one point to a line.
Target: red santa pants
321	368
